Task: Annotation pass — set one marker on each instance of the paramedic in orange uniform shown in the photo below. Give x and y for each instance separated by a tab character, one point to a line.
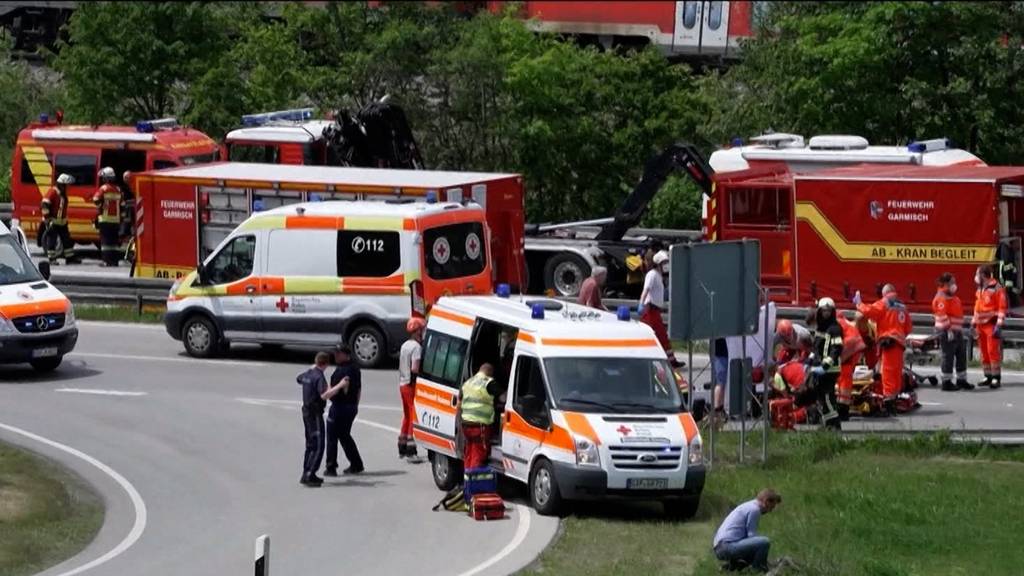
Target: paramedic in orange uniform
853	350
949	325
989	315
894	324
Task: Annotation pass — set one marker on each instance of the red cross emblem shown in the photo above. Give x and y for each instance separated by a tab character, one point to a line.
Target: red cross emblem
282	305
624	430
441	249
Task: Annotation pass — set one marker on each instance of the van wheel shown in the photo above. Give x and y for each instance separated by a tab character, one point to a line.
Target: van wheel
544	494
46	364
445	470
564	273
201	338
682	509
367	343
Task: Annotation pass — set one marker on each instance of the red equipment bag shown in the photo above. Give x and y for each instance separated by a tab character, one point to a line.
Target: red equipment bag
487	507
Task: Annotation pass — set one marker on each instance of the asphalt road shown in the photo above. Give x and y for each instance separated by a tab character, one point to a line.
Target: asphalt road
195	459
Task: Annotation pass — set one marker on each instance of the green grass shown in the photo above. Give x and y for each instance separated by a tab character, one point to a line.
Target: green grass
862	507
118	313
46	514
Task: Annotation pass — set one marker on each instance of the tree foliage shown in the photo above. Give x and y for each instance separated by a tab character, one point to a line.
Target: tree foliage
483	92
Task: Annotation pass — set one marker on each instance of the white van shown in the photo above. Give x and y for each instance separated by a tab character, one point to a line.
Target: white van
37	321
592	407
322	273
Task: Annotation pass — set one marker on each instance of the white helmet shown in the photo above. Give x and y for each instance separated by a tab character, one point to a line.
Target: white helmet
826	302
65	179
107	174
660	257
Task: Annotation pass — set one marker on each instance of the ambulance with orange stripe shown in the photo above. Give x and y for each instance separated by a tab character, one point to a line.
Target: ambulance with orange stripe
591	408
37	322
322	273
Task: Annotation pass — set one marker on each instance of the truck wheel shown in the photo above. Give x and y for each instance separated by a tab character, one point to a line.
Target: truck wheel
445	470
682	509
201	338
564	273
368	345
46	364
544	494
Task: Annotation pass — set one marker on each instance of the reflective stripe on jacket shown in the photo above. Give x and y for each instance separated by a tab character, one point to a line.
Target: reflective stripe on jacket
477	403
108	201
948	311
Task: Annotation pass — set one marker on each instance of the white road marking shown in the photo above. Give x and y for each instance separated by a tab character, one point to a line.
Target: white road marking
523	513
122	325
930	403
235	363
137	503
100	392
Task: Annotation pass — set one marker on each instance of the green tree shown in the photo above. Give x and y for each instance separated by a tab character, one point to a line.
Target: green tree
891	71
129	60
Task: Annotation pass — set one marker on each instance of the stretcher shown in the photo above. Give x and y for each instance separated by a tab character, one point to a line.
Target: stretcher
867	398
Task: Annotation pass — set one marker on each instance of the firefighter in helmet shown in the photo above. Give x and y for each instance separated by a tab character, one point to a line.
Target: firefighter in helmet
826	359
108	218
56	237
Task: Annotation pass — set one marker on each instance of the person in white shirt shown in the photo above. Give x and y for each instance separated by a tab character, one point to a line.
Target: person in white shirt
652	301
408	368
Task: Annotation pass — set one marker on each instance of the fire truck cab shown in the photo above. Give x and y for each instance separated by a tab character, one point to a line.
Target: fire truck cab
48	148
283	137
836	215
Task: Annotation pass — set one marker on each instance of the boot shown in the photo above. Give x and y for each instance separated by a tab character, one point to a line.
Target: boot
948	386
995	383
844	412
402	450
889	408
987	381
963	384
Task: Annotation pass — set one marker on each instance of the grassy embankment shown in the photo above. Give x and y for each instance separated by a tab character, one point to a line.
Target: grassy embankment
46	514
874	507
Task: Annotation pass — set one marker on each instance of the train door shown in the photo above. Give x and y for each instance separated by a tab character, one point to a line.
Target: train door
701	27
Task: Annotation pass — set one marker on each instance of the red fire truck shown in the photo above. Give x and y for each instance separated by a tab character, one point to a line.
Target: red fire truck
48	148
224	194
836	216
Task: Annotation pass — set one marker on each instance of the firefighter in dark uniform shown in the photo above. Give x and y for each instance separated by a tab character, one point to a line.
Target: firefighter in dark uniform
827	352
56	237
108	219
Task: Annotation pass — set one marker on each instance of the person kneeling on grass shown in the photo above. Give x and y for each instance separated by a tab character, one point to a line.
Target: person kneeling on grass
737	541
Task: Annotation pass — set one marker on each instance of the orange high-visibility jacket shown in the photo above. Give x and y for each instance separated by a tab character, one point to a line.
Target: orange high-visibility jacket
948	311
892	319
990	304
853	343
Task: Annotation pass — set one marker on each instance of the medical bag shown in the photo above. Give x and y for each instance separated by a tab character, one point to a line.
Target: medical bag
487	507
479	481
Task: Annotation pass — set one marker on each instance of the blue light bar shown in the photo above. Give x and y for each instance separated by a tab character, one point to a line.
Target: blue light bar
623	313
431	196
737	142
537	311
296	115
147	126
44	118
503	291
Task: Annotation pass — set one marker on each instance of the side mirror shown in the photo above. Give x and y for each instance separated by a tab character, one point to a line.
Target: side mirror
44	269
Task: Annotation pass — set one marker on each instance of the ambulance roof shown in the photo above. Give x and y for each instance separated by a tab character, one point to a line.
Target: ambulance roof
807	159
285	132
329	175
960	173
573	326
365	208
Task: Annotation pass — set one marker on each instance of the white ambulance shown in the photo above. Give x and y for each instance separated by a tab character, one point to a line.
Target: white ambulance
591	409
37	321
322	273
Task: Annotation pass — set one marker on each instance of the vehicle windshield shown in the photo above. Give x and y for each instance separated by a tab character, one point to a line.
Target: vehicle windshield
637	385
15	265
198	159
455	251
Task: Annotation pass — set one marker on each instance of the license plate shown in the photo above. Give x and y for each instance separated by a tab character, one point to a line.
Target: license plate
647	483
44	352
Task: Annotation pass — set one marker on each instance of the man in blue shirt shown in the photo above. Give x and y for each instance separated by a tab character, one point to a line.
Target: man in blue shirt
737	541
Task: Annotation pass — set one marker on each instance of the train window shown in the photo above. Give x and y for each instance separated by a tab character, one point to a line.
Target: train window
714	15
759	207
690	14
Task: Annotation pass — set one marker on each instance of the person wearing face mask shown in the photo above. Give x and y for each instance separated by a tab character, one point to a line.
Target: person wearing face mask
989	315
894	323
652	301
949	325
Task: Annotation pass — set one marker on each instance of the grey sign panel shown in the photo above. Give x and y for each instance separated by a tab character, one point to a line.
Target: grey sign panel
714	289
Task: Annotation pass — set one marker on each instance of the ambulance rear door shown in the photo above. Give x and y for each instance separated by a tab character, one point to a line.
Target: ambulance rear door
437	387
